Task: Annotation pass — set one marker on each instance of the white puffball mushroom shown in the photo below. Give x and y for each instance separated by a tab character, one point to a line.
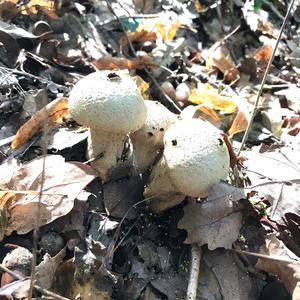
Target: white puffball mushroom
195	157
148	140
111	105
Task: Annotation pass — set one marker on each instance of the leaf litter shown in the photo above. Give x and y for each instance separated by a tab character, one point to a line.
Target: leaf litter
200	57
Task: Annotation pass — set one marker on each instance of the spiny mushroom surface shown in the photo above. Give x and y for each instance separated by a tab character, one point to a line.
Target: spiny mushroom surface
195	157
111	105
148	140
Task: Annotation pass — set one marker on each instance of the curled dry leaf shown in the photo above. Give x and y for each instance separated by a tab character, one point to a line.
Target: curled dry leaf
51	113
120	63
240	122
140	36
207	95
63	181
219	57
216	221
288	272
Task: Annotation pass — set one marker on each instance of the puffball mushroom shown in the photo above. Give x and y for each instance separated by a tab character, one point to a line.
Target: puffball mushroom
148	140
111	105
195	157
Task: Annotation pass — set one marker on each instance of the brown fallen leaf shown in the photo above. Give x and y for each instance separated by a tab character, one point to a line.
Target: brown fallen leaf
216	221
63	182
239	123
120	63
288	272
51	113
139	36
218	57
275	175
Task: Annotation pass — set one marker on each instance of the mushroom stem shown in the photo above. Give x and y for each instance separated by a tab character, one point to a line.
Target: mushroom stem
161	189
107	149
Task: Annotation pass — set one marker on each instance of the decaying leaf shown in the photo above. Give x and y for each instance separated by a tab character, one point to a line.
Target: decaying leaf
288	272
216	221
207	95
45	271
51	113
120	63
140	36
276	176
165	25
240	122
62	182
218	57
141	84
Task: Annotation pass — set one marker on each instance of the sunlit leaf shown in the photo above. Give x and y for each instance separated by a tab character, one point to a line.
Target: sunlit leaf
208	95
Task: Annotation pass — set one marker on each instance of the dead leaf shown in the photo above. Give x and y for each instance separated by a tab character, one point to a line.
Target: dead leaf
216	221
63	181
207	95
263	54
218	57
239	123
51	113
141	84
34	6
289	273
45	271
120	63
140	36
166	25
275	174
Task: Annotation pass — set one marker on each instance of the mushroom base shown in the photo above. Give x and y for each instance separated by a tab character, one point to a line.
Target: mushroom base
163	193
111	158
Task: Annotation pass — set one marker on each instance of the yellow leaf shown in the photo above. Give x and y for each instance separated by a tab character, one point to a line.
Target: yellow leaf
208	95
164	25
209	112
142	85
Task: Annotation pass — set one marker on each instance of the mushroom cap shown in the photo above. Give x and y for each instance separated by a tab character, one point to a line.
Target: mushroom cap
109	101
196	156
158	120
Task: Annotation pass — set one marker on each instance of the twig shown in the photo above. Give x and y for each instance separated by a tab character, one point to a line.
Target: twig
37	220
264	256
37	287
265	77
196	254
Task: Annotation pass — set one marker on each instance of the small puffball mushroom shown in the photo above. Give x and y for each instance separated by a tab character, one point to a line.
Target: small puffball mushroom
148	140
111	105
195	157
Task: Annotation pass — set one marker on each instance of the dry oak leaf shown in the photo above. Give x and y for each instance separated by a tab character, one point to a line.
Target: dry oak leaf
138	36
51	113
288	272
216	221
62	183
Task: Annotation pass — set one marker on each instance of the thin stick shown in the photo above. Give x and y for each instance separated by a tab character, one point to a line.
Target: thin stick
37	287
264	256
36	228
196	254
245	137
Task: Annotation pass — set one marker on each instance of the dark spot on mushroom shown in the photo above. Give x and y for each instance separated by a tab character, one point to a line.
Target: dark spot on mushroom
113	76
174	142
150	133
220	142
161	129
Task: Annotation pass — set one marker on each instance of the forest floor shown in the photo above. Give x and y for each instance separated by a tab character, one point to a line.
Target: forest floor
67	235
